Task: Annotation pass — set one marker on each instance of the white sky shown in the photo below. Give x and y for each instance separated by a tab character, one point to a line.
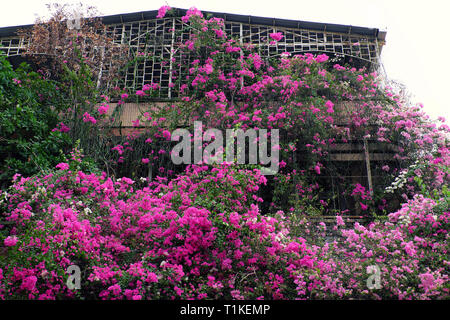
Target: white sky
416	44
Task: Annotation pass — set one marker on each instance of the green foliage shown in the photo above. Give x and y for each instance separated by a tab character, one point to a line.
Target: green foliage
29	107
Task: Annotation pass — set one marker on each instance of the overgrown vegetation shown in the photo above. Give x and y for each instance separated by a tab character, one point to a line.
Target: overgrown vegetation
220	231
29	107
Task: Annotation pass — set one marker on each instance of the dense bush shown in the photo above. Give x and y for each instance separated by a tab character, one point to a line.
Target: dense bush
31	134
203	236
226	231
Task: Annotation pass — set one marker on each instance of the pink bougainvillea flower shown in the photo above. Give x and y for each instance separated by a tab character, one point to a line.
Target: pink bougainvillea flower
103	109
88	118
277	36
339	221
62	166
219	33
208	68
322	58
10	241
127	180
162	11
329	106
317	169
166	134
29	283
427	281
118	148
191	12
61	127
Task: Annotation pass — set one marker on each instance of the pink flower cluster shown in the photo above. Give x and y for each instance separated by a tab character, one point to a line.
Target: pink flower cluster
62	166
180	244
88	118
162	11
277	36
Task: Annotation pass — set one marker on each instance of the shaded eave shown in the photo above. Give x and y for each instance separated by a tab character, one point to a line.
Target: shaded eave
275	22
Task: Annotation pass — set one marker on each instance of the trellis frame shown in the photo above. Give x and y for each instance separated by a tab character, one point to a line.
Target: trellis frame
361	45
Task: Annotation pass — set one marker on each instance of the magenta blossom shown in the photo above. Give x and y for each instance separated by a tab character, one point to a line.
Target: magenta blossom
103	109
329	106
29	283
162	11
62	166
10	241
88	118
317	169
277	36
322	58
61	127
166	134
191	12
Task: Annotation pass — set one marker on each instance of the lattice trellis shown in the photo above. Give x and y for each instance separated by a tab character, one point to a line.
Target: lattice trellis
302	41
12	46
159	38
156	38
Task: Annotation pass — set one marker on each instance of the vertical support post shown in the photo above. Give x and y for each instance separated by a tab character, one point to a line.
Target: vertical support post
274	30
122	42
150	173
22	44
333	192
100	72
171	58
294	158
241	42
369	172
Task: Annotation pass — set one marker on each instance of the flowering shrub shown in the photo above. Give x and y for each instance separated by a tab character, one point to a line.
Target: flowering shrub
410	246
189	238
226	231
181	239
